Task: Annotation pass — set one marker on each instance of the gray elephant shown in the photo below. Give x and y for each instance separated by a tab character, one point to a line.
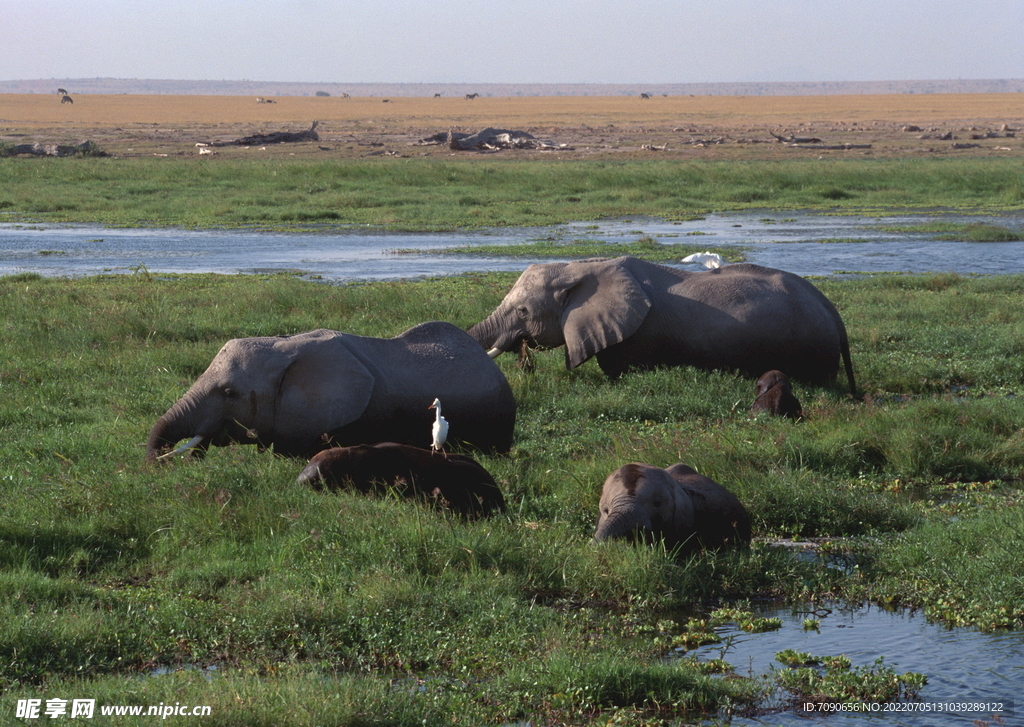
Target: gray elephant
308	391
633	314
454	481
677	505
775	396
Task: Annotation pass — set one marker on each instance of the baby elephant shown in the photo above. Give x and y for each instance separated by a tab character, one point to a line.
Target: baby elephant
684	509
453	481
775	396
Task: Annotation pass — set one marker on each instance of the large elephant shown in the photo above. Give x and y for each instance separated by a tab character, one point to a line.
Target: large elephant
677	505
308	391
633	314
451	480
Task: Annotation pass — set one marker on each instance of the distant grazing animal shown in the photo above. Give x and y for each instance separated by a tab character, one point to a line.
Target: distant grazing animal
66	99
63	91
710	260
309	391
631	314
437	95
456	481
260	99
439	430
775	396
677	506
645	96
471	96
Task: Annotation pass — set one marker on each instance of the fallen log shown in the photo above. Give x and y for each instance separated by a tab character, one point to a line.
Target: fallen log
795	139
838	147
277	137
490	139
86	149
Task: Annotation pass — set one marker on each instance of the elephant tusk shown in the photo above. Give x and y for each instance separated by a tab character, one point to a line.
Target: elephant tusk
495	352
183	448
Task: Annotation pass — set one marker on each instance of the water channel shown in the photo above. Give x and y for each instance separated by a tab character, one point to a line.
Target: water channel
962	665
801	242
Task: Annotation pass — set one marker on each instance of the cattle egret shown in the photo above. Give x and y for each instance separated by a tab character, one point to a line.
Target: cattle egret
439	431
708	259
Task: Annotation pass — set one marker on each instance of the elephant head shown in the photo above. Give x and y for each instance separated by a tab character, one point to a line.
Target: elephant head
587	306
256	388
644	503
774	394
677	505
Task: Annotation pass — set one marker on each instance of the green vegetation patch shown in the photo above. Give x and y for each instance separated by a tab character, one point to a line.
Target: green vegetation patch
645	247
249	592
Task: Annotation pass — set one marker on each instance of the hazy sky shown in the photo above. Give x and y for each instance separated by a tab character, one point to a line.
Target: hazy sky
529	41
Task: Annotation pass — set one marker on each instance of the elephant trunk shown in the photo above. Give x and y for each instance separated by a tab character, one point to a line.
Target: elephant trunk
178	423
497	334
615	526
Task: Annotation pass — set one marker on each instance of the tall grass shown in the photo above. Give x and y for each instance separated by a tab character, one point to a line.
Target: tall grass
372	610
429	194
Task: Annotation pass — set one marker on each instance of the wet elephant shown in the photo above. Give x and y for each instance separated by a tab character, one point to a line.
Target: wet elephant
633	314
677	506
309	391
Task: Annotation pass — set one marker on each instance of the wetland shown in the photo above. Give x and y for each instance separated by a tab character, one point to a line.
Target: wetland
217	581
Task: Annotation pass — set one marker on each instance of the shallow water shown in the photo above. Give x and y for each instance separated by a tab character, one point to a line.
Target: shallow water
805	243
962	665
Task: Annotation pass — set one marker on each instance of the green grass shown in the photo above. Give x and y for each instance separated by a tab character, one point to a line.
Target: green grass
645	247
430	194
366	610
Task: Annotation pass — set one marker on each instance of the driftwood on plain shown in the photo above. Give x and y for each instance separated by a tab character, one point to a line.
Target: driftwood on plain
86	148
796	139
490	139
277	137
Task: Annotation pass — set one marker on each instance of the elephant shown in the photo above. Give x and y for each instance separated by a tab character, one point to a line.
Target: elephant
684	509
305	392
455	481
633	314
775	396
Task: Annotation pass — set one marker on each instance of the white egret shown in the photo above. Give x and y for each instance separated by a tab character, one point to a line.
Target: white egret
439	431
710	260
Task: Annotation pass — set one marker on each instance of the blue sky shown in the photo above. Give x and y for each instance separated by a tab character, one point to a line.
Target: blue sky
528	41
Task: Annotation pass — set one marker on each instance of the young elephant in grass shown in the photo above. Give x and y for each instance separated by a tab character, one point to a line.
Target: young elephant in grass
775	396
454	481
677	505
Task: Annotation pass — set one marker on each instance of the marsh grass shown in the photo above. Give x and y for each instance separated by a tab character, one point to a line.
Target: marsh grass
354	606
432	194
644	247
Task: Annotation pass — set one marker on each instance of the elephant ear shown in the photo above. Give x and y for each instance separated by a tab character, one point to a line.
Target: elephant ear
602	304
325	387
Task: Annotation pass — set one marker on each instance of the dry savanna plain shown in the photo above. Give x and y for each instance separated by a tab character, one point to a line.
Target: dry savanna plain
659	127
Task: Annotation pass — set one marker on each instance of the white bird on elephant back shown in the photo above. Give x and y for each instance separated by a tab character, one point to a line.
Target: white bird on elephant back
439	431
708	259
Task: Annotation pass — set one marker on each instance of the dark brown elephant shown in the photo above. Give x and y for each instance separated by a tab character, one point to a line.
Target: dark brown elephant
452	480
633	314
677	505
775	396
309	391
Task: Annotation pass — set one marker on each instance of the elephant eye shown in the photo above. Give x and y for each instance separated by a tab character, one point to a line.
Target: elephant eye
229	392
522	311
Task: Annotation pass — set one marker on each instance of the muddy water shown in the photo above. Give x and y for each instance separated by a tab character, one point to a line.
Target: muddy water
964	666
801	242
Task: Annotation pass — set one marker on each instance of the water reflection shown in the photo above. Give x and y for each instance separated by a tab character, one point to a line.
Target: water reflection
962	665
802	242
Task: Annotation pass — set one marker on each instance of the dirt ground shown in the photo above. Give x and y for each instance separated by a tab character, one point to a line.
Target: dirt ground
677	127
